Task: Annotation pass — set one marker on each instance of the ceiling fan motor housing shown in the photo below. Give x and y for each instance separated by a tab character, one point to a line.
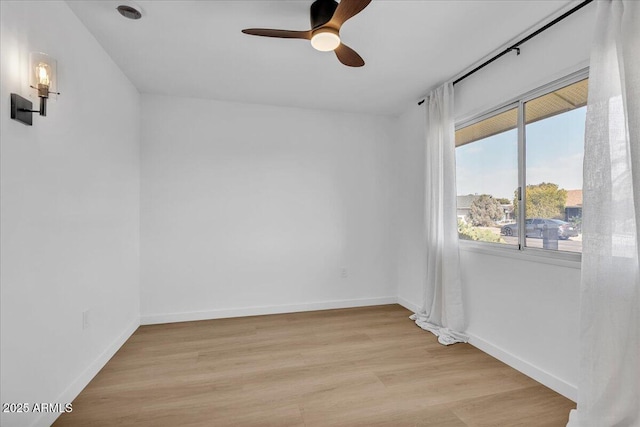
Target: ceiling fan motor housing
322	12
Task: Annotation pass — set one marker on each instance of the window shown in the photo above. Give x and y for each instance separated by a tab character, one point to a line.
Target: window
487	177
519	171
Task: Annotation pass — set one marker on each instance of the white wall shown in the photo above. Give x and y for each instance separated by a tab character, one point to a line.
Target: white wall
555	53
70	212
409	195
519	309
251	209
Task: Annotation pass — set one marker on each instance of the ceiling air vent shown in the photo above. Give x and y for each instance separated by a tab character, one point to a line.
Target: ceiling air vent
129	12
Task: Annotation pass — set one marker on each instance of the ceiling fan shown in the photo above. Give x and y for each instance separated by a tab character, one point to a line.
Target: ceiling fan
327	17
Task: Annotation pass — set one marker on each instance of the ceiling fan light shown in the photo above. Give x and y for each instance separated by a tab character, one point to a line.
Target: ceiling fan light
325	41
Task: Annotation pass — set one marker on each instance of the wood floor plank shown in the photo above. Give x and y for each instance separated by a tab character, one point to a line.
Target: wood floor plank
368	366
532	406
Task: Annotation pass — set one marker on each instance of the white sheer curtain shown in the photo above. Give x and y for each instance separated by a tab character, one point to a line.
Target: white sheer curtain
442	311
609	384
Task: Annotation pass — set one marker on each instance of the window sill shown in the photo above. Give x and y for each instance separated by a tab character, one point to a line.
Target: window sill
564	259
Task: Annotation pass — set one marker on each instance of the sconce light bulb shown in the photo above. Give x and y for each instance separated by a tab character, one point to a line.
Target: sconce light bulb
43	74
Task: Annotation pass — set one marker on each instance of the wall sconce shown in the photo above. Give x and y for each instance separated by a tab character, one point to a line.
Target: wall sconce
43	78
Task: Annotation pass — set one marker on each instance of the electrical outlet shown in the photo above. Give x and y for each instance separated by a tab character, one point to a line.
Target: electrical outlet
344	273
85	319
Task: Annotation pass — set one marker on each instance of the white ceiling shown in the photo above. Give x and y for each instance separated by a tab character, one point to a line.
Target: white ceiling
196	49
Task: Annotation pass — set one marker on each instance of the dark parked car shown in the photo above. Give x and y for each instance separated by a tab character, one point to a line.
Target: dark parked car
535	228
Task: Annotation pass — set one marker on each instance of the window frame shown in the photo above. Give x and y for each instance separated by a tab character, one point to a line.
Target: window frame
565	258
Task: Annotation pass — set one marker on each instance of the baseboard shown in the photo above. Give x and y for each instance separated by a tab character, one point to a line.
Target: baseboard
46	419
152	319
408	305
556	384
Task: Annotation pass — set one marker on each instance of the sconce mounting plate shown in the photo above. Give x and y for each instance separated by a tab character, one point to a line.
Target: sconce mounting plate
21	109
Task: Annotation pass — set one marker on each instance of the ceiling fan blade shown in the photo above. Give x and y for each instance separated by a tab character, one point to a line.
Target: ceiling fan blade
283	34
348	56
347	9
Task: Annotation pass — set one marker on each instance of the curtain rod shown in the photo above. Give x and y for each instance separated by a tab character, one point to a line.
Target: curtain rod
516	46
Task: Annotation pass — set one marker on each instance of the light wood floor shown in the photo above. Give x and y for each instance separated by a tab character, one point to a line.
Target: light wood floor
367	366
